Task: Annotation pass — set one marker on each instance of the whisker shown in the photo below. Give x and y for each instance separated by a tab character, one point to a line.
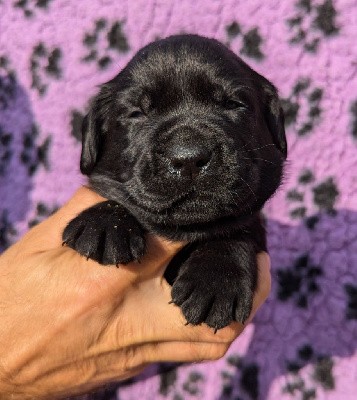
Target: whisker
262	147
255	148
248	187
250	141
232	198
261	159
250	208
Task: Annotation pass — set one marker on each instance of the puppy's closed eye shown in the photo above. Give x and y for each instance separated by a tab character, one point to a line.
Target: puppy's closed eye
232	104
137	114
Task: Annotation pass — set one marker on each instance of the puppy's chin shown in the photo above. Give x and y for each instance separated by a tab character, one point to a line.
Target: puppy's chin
190	209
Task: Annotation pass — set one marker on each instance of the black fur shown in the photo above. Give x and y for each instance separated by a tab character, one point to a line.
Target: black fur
187	142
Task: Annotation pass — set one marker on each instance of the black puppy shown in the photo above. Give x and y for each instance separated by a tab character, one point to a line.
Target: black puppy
187	142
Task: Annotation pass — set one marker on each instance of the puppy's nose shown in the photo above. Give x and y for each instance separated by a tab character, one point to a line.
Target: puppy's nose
189	160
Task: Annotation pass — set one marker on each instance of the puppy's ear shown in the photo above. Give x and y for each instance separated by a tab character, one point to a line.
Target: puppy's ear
94	126
91	134
274	117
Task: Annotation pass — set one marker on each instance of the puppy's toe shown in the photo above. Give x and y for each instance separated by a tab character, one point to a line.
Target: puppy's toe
137	245
221	313
181	291
243	306
73	231
196	309
112	249
90	243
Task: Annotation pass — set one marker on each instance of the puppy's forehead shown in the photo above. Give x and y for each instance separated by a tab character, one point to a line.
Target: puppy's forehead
188	65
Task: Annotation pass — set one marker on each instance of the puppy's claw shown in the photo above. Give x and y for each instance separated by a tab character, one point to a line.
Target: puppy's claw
215	330
187	323
64	243
171	302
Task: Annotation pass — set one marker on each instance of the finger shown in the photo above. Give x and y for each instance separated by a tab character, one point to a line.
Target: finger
159	252
264	283
182	351
129	361
131	358
160	321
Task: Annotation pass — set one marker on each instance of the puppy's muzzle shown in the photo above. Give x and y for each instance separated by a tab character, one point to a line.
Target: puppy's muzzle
188	160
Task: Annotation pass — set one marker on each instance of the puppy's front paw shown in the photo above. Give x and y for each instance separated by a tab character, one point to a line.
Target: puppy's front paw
106	233
214	298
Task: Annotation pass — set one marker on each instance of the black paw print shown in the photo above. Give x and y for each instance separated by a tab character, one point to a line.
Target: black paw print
168	383
29	6
311	23
353	111
298	282
76	124
111	37
5	150
297	195
324	196
168	377
248	380
7	83
251	40
322	373
42	211
302	92
44	65
351	291
7	230
32	155
191	384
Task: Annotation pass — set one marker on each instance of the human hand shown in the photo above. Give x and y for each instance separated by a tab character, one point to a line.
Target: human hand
68	325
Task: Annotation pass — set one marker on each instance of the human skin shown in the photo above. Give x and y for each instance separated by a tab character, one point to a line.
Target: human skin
69	325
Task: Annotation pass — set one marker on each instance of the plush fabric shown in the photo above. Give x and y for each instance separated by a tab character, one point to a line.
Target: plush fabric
302	343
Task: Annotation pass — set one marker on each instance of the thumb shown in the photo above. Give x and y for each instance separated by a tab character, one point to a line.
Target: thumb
159	252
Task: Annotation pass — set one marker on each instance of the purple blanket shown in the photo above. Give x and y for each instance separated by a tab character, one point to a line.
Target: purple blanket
302	343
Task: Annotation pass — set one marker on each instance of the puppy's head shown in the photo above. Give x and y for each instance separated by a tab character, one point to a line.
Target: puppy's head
186	134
